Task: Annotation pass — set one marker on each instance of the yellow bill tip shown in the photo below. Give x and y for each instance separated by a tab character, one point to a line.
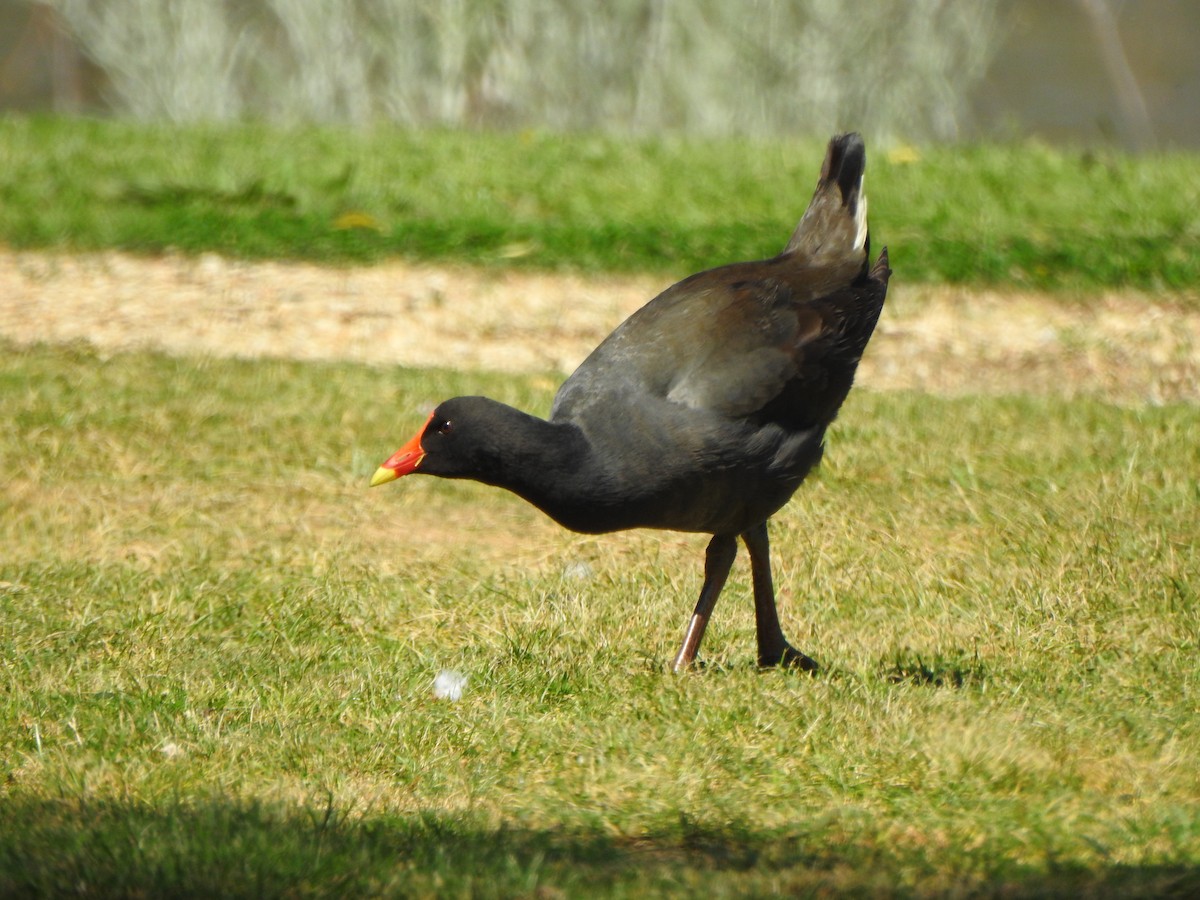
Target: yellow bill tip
383	475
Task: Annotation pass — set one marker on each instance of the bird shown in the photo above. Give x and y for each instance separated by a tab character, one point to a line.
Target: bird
702	412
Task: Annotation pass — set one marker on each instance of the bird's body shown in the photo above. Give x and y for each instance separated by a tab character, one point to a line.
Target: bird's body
703	411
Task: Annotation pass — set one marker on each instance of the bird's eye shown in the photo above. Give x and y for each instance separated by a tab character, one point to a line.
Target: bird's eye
445	428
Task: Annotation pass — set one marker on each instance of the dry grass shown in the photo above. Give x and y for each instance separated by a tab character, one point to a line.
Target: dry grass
1127	347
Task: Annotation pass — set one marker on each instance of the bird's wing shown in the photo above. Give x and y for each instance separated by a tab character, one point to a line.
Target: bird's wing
735	342
755	345
782	347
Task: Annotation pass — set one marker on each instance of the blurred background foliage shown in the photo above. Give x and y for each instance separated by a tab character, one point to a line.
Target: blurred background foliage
901	70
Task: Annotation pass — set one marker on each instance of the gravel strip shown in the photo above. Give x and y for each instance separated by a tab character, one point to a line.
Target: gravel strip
1131	348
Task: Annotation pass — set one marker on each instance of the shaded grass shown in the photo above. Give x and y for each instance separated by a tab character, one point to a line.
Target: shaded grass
216	652
319	850
1002	215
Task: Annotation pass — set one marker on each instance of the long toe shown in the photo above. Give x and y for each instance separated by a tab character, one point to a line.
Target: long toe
789	658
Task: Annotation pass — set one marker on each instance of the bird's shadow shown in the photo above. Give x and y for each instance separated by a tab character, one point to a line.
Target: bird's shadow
952	669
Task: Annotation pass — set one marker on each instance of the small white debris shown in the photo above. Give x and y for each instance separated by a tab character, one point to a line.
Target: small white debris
170	750
577	570
449	685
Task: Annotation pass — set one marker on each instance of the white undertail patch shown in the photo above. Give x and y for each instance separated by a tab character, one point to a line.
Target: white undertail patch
860	214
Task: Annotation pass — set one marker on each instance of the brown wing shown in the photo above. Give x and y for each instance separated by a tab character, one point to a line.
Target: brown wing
787	344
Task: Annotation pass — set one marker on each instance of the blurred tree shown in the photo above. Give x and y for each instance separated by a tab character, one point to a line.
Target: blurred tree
895	68
1135	118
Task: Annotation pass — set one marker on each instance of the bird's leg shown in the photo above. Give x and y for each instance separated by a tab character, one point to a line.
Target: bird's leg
773	648
717	562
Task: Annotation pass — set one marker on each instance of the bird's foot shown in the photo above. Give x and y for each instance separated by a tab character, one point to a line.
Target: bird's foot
693	665
787	657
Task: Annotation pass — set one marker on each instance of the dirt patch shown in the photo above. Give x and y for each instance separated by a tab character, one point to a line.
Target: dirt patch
1132	348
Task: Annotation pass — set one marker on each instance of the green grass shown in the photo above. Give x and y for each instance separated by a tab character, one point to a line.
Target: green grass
217	649
1021	215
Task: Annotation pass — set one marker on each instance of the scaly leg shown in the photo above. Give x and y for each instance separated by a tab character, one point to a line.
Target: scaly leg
717	562
773	648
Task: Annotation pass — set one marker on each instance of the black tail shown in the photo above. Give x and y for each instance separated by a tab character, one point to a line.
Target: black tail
835	223
845	162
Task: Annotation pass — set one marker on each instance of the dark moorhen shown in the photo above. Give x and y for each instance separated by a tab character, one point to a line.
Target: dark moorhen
702	412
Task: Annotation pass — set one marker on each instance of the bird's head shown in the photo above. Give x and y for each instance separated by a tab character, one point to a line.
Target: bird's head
462	438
